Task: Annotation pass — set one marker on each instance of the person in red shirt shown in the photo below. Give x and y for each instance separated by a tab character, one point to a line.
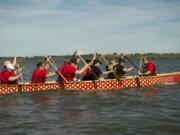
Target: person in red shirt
69	69
8	74
149	68
41	73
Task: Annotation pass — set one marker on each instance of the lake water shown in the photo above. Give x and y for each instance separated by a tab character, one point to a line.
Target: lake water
143	111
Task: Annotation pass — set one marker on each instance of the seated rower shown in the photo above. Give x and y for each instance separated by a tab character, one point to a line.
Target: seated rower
110	67
120	68
70	69
96	72
87	72
149	68
41	72
8	73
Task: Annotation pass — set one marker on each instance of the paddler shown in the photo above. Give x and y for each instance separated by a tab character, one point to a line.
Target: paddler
41	72
9	74
96	72
110	67
86	74
70	68
120	69
149	68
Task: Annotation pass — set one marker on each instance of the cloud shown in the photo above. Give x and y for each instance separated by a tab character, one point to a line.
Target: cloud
83	23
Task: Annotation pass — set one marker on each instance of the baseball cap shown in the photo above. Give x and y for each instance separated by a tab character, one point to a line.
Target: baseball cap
9	65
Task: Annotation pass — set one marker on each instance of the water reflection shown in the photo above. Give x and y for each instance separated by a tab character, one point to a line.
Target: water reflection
92	112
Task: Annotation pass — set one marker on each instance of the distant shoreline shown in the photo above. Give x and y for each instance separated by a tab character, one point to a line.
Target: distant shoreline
136	56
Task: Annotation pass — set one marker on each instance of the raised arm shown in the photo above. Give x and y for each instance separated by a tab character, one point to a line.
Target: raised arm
14	61
50	74
82	70
94	57
128	69
14	78
107	72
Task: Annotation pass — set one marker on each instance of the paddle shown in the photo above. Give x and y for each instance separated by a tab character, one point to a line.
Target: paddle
53	61
19	70
140	64
88	67
22	79
115	75
25	69
137	79
131	63
102	56
20	73
53	64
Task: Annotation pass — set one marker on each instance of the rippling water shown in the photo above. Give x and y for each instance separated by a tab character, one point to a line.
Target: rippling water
144	111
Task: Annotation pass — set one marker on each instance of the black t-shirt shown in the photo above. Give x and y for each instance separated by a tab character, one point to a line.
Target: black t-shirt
119	70
96	72
110	75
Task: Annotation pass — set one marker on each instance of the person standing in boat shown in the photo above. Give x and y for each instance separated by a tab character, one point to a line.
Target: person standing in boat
9	74
149	68
70	68
41	72
120	68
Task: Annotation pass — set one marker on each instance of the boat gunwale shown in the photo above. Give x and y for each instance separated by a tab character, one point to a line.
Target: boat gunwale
96	81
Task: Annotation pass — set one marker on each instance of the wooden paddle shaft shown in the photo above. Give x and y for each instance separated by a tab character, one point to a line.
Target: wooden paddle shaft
105	60
58	71
88	67
131	63
140	64
114	73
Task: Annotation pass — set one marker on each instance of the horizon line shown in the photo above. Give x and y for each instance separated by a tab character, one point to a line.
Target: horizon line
161	53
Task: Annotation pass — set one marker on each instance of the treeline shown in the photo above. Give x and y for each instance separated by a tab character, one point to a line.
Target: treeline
115	56
155	56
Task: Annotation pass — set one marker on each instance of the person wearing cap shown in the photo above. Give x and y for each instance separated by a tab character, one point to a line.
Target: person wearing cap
96	72
41	72
149	68
120	68
8	74
70	68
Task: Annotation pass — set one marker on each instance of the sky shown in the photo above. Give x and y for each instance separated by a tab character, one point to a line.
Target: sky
59	27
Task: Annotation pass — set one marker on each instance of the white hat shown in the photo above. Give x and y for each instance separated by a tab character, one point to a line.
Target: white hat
9	65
